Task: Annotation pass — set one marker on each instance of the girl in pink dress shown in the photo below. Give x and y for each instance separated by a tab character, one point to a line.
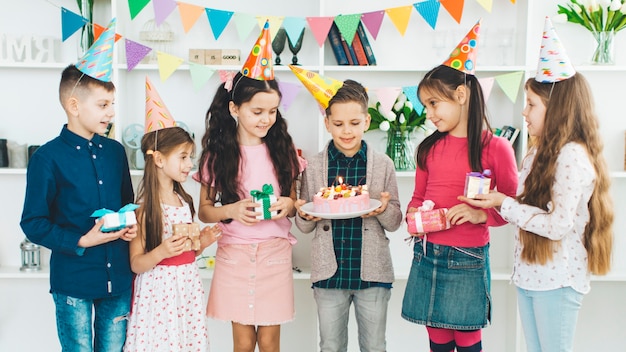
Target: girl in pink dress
167	311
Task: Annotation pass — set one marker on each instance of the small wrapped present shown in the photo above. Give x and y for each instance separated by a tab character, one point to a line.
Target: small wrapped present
477	183
115	221
427	219
266	198
192	232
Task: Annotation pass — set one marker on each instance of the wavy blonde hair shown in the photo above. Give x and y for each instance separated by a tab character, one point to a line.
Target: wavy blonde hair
570	117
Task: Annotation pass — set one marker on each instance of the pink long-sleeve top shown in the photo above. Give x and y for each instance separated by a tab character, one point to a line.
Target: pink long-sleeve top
444	180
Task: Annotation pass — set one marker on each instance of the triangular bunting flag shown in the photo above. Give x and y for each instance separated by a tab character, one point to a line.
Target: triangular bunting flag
387	97
347	25
372	21
167	64
244	23
294	26
289	92
454	8
429	10
71	22
486	4
135	52
218	20
200	74
98	29
162	9
400	17
135	7
411	93
320	26
487	84
189	14
275	23
510	83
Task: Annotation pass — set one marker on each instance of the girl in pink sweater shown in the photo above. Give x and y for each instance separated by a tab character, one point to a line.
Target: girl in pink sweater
448	288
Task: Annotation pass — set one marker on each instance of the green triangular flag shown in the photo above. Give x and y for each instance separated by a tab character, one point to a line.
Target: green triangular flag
347	25
135	7
200	74
510	82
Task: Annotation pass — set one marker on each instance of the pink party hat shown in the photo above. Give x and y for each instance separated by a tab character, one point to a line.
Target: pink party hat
98	59
554	64
322	88
259	63
463	57
157	114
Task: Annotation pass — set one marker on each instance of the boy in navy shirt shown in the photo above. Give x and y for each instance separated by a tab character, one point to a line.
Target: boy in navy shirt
69	178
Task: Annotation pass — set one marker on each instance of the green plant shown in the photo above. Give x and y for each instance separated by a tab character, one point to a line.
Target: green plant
402	116
86	10
595	15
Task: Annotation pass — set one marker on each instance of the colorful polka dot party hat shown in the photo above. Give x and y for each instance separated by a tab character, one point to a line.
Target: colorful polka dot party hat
554	64
463	57
259	63
157	114
322	88
98	59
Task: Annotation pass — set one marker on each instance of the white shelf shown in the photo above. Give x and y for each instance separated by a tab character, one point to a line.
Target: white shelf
35	65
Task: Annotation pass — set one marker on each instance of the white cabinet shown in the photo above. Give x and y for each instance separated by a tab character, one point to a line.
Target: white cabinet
509	43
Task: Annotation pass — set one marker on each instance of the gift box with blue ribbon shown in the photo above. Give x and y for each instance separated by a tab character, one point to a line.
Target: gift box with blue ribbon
266	198
477	183
116	220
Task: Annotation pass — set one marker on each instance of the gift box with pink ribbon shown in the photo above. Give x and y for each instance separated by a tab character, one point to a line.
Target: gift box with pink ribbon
427	219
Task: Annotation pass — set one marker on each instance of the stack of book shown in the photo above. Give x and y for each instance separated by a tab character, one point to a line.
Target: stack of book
359	53
508	132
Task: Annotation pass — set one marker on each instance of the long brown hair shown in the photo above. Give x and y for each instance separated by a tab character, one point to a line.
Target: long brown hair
443	81
150	215
220	145
570	117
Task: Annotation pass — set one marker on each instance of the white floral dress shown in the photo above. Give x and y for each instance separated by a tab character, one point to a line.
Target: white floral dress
167	312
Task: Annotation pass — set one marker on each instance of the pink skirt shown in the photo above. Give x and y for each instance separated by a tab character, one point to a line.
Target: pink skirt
253	283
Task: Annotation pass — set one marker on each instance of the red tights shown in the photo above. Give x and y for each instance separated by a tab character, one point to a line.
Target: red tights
446	340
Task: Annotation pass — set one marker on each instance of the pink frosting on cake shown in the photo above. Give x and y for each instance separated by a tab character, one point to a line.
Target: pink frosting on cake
349	200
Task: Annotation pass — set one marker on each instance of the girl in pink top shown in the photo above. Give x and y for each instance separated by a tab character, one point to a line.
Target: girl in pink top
246	146
448	288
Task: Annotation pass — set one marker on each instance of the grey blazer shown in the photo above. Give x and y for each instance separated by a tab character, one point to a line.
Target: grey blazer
376	262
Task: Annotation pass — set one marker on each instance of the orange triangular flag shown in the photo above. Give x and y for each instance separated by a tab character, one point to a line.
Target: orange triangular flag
454	8
400	17
98	29
189	14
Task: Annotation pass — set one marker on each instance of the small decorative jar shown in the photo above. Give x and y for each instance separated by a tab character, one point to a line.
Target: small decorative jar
31	256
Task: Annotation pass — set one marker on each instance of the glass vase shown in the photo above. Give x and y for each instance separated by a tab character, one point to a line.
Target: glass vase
400	148
603	55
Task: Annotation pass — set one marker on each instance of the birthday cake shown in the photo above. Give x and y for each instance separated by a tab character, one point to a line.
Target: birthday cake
341	199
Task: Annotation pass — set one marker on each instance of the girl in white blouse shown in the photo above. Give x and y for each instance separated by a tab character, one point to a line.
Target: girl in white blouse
563	211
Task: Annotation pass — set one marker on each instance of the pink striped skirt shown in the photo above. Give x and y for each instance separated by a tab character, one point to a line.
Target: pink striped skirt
253	283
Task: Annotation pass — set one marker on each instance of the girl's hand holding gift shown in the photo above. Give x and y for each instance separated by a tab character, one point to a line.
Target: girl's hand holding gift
485	201
243	211
462	213
209	235
284	206
172	246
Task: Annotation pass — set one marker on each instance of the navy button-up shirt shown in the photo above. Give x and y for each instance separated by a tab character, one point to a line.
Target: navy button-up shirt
68	179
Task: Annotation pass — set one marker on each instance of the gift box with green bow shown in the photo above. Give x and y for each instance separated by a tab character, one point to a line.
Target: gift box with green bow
115	221
266	198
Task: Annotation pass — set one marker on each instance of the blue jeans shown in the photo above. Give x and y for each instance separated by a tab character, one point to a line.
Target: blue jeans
74	322
370	308
549	318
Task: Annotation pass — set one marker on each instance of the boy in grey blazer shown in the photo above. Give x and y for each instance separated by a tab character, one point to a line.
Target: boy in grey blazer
350	258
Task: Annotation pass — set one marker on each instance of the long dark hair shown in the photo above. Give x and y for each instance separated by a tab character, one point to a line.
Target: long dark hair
150	215
443	81
220	145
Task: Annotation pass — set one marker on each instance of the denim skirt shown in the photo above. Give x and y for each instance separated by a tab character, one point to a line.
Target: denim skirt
448	287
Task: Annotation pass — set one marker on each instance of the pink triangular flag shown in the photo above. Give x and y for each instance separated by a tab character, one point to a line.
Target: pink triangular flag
320	26
189	14
487	84
135	52
372	21
387	97
162	9
289	92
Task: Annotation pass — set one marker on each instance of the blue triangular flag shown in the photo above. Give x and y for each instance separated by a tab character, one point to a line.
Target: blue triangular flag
411	94
429	10
218	20
294	26
71	22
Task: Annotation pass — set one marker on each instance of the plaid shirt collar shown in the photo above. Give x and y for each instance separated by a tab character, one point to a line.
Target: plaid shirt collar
335	154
